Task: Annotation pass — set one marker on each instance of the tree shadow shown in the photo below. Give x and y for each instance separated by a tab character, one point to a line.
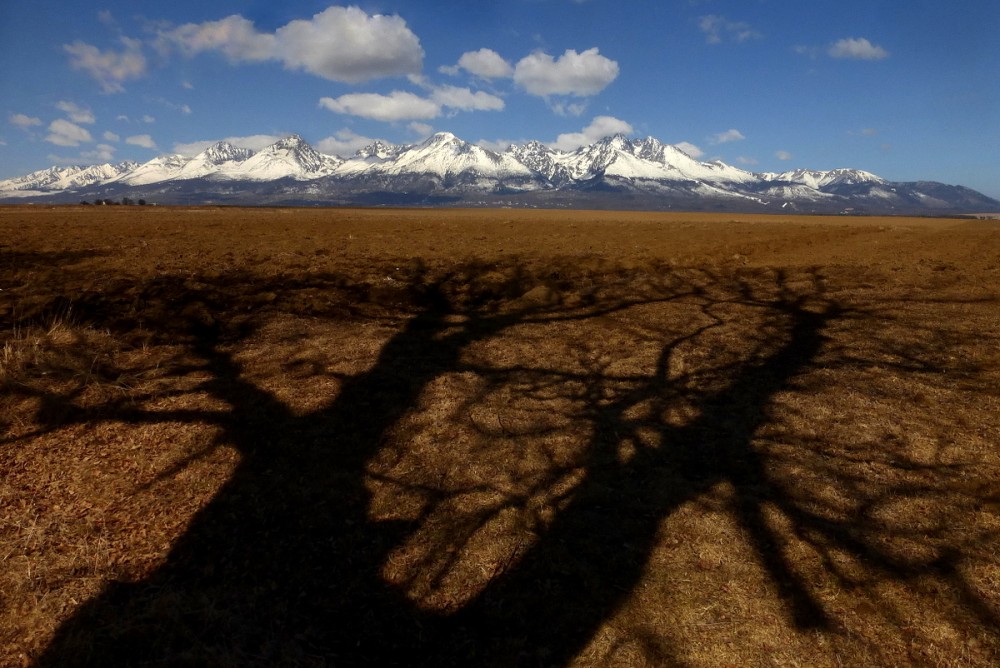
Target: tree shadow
507	529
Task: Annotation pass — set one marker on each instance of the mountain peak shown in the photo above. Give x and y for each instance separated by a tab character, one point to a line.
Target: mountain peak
378	149
223	151
651	173
291	142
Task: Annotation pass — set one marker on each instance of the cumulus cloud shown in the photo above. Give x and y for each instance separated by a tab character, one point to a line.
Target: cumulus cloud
64	133
422	129
465	99
396	106
109	68
340	44
234	36
405	106
24	121
744	160
727	136
579	74
148	119
144	141
76	113
484	63
111	136
718	29
252	142
783	155
599	128
102	153
344	143
857	49
690	149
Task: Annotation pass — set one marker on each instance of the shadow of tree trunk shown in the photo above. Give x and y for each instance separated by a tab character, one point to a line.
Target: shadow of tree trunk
285	565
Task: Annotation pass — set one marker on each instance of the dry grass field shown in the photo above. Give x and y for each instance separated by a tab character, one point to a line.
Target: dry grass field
290	437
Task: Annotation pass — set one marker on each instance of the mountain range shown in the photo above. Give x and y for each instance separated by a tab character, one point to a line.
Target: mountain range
615	172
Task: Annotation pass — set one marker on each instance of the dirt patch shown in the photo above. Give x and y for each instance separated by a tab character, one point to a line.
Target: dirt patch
398	437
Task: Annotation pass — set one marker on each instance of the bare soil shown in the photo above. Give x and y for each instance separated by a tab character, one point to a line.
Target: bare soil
267	437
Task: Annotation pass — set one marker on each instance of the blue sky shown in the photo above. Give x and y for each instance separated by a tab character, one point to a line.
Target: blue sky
908	90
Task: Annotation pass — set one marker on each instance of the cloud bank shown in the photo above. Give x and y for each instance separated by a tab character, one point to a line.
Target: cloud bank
342	44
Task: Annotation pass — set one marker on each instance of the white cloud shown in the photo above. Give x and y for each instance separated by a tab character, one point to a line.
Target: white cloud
573	73
111	136
103	153
690	149
173	106
718	28
783	155
76	113
144	141
486	63
495	145
107	18
599	128
422	129
466	100
404	106
109	68
803	50
344	143
727	136
340	43
187	85
568	109
64	133
234	36
252	142
396	106
857	49
23	121
743	160
2	142
148	119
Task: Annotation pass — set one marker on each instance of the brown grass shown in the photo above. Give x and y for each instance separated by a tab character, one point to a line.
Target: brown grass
350	437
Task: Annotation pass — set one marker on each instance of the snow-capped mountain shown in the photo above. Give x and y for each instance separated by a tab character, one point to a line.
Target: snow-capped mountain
613	172
65	178
291	157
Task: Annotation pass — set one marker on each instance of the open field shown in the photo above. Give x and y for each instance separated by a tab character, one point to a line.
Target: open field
497	437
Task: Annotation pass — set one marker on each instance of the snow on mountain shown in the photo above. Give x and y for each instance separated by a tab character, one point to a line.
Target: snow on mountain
379	150
542	160
157	170
645	159
291	157
641	168
819	179
66	178
445	155
216	159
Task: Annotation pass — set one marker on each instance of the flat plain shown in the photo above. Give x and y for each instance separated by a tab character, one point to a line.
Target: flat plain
497	437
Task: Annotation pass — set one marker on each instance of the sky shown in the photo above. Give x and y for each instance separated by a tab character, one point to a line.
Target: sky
909	90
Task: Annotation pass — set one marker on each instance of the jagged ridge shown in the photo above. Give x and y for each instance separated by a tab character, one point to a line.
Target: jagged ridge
658	174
